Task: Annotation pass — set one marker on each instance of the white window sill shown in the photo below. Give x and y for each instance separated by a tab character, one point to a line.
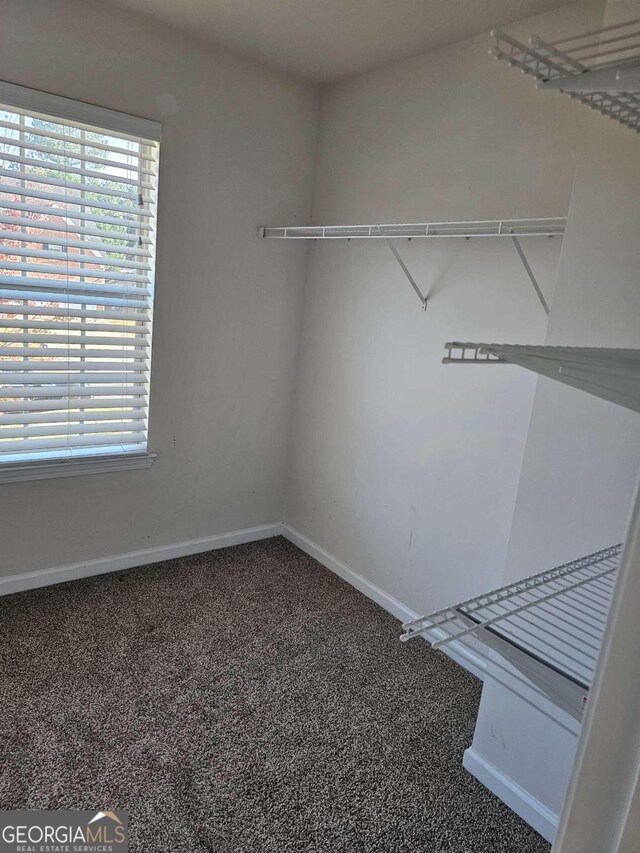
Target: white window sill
52	469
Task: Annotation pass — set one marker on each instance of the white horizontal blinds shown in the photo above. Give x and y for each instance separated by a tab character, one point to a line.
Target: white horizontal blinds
77	244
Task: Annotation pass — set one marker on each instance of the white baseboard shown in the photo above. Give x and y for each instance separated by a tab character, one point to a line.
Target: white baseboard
456	651
388	602
46	577
535	813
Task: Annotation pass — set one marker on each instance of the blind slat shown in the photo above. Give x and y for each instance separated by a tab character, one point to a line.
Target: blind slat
80	215
76	186
27	236
135	181
72	199
63	337
25	358
65	327
68	429
75	271
18	418
73	311
49	373
71	298
126	237
26	398
27	252
28	145
37	444
139	154
71	288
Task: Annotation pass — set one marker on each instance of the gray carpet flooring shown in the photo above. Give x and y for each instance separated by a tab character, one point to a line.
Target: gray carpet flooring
241	700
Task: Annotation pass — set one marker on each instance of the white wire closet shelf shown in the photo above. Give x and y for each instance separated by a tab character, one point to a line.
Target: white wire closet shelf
599	68
610	373
514	228
548	626
536	227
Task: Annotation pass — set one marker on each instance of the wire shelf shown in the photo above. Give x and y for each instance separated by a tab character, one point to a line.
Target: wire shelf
513	228
537	227
549	625
612	374
600	68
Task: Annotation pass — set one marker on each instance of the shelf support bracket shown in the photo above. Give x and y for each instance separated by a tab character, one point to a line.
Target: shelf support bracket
532	278
403	267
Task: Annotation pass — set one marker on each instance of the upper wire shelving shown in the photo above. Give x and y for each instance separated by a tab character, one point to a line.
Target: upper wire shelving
512	228
599	68
535	227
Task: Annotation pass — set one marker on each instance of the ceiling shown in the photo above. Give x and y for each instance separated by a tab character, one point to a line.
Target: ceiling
327	40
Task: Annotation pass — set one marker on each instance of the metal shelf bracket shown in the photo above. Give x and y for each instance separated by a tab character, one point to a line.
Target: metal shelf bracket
532	278
403	267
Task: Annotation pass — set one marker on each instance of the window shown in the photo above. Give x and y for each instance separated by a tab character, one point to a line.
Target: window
78	195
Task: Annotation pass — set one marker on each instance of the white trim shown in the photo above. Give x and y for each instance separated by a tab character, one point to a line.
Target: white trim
375	593
456	651
51	469
46	577
604	785
55	105
531	810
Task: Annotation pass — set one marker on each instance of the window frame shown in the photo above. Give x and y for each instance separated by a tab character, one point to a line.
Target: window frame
71	110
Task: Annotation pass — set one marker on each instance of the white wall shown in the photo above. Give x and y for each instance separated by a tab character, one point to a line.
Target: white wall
582	454
239	150
402	468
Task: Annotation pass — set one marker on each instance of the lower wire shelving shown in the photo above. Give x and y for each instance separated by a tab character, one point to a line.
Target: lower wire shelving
548	626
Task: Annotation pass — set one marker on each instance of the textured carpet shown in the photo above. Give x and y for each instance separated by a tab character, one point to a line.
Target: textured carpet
241	700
